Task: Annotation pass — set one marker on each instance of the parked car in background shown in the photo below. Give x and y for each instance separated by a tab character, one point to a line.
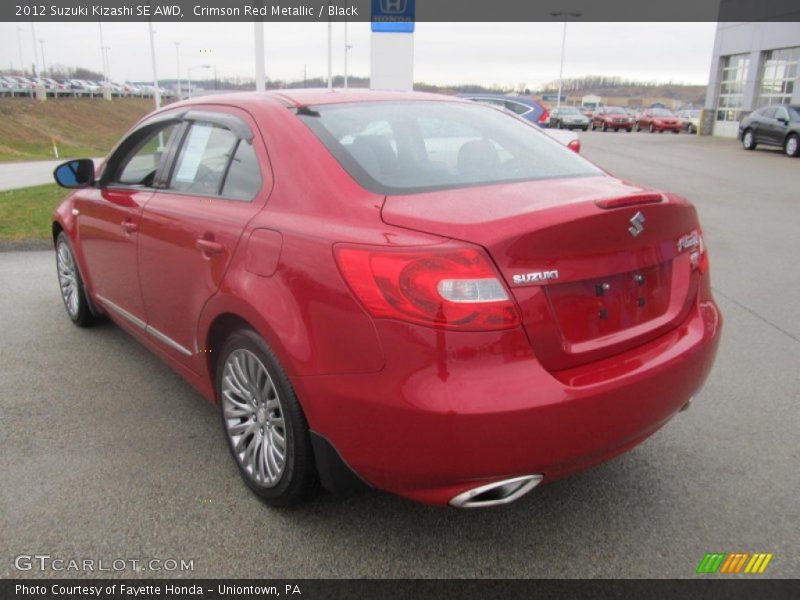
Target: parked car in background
568	117
658	119
690	119
526	108
611	118
775	125
510	314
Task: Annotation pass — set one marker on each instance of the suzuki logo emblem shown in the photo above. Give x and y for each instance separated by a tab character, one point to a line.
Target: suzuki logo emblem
393	6
636	224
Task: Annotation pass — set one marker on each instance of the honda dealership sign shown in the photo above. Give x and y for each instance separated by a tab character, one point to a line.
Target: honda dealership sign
392	45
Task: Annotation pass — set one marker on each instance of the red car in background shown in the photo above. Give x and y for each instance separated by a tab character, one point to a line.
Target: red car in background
658	119
611	118
406	291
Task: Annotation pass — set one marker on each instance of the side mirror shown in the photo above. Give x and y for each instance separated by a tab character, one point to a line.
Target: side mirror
783	121
75	173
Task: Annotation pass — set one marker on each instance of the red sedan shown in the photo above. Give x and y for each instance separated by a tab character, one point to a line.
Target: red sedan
404	291
658	119
611	118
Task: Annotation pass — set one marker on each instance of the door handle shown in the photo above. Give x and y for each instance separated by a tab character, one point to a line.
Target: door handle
129	226
209	247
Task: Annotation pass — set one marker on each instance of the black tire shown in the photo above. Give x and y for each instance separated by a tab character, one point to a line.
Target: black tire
79	310
748	139
791	147
629	130
676	131
298	478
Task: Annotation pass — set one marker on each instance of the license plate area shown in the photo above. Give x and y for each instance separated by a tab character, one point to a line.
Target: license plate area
594	308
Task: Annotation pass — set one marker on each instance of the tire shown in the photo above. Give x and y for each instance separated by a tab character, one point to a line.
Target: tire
629	130
748	140
792	145
652	128
70	282
676	131
263	423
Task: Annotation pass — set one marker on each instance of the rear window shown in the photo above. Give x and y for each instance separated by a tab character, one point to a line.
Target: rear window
407	147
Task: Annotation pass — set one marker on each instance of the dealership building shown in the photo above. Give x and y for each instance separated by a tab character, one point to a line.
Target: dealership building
754	64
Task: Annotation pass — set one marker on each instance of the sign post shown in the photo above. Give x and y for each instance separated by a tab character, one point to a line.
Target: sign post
392	45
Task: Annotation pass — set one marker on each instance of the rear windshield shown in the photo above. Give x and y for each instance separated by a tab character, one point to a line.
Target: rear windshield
407	147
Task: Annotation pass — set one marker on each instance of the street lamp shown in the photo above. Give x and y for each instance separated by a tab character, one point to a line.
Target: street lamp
566	16
35	51
189	72
178	66
347	48
44	62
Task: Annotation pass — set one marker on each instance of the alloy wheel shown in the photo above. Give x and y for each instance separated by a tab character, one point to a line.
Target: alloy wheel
253	417
68	278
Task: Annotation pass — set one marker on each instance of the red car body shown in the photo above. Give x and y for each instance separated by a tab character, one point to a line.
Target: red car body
573	372
660	120
611	118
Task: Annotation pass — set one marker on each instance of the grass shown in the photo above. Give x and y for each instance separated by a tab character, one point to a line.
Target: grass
81	127
27	213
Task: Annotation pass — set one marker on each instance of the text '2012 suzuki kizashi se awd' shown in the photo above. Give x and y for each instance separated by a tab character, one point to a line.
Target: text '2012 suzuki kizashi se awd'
404	291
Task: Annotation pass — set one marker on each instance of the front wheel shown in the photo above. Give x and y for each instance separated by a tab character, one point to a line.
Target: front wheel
264	425
748	140
73	291
792	146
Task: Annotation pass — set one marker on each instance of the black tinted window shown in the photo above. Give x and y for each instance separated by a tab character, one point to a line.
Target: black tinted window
402	147
244	175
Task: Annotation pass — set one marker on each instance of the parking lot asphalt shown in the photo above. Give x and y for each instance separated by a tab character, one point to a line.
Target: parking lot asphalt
107	454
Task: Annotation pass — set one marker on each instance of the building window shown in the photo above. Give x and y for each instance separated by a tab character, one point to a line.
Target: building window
778	76
731	87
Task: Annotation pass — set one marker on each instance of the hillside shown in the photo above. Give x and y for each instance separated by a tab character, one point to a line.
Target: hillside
81	127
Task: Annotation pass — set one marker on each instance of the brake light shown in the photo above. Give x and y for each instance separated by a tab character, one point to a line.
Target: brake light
575	145
448	286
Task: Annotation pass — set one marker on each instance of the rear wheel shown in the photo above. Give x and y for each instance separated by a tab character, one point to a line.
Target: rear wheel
264	425
73	291
748	140
792	145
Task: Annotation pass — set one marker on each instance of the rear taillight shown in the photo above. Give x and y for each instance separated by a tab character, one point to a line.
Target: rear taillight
575	145
545	116
448	286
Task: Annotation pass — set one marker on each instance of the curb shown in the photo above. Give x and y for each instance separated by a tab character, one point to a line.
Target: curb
26	245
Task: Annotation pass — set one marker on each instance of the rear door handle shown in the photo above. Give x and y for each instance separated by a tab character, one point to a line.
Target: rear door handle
129	226
209	247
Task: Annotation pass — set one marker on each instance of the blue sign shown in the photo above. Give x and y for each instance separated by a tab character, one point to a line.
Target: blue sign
393	16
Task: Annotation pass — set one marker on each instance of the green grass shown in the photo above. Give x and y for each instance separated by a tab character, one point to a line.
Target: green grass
27	213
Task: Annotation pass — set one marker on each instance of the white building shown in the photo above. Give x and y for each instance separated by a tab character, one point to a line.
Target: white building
754	64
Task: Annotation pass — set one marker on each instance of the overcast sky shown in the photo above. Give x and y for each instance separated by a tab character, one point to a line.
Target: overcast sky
445	53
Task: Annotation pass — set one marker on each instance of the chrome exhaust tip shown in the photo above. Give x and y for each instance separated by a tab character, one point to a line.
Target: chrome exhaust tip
497	493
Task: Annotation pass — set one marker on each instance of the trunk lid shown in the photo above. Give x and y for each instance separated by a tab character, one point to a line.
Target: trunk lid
587	286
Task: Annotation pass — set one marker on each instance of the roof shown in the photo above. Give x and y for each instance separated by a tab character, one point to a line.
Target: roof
313	97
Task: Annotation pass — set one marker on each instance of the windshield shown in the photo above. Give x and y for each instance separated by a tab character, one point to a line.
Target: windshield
614	110
415	146
794	113
569	110
662	112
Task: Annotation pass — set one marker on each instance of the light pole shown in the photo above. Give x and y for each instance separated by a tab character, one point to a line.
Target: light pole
35	51
330	54
178	66
156	91
566	16
44	62
189	72
346	50
19	42
108	64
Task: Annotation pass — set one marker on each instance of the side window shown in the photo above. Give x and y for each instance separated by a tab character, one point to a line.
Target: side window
518	108
244	175
203	159
768	112
139	167
781	113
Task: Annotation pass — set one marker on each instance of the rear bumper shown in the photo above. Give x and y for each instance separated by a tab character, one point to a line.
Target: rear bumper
449	413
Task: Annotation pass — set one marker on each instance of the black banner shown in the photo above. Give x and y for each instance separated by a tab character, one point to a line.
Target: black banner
440	589
426	10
